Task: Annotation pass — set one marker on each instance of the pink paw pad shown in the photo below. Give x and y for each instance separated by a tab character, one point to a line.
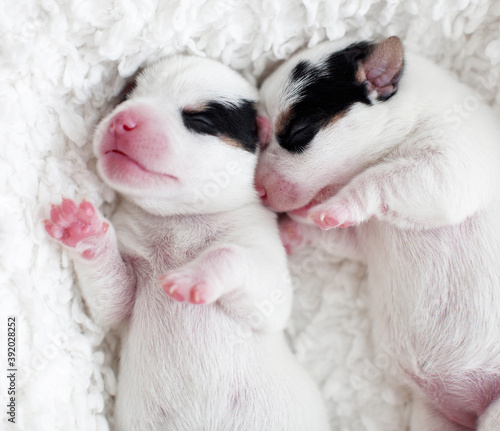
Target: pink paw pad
183	288
329	219
70	224
324	221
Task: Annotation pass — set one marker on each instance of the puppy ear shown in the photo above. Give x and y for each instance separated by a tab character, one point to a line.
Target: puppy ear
129	87
126	91
263	130
382	68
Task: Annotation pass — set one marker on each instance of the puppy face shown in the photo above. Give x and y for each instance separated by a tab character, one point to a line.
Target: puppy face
328	108
185	141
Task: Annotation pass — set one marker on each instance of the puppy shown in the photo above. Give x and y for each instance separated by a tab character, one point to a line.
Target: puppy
191	269
385	147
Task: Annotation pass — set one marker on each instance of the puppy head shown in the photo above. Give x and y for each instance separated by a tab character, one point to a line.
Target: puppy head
329	109
184	141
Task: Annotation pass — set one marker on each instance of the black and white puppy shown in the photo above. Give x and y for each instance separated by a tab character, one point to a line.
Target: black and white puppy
191	268
379	143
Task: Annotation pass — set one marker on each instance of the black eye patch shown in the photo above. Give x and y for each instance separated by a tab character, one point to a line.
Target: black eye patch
299	133
199	122
234	121
326	90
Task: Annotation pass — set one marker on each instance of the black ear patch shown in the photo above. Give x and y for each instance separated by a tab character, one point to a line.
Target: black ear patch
237	122
326	91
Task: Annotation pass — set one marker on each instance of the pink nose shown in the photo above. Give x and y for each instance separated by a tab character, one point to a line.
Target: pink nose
123	122
262	193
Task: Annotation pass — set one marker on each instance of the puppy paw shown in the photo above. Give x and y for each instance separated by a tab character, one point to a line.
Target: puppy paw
72	224
337	214
185	284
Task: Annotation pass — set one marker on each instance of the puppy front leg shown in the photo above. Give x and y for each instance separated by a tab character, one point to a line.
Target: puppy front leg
107	283
255	278
202	281
423	191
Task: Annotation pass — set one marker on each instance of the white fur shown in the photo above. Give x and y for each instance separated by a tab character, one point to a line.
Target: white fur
218	366
419	177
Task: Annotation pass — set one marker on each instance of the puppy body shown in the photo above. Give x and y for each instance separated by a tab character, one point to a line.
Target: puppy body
207	351
219	366
413	177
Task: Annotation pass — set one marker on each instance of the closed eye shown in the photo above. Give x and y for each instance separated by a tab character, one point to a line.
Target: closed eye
298	136
198	122
297	130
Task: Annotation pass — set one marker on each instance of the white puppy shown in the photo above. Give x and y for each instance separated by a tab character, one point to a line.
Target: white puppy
207	351
363	137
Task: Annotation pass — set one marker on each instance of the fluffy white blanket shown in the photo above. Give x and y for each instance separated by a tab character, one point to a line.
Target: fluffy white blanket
60	64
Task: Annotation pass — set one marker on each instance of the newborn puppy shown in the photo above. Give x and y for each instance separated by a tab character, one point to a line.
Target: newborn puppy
191	268
363	137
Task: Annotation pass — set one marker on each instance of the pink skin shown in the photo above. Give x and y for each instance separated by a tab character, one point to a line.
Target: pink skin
290	234
133	150
383	68
71	224
261	192
273	188
275	191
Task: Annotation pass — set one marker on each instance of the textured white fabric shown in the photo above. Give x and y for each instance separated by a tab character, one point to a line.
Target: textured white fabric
60	64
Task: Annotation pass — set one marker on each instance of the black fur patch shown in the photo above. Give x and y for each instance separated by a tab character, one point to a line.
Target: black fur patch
301	71
237	122
326	90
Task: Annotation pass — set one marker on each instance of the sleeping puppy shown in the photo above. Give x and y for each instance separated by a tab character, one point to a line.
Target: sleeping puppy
386	149
191	268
